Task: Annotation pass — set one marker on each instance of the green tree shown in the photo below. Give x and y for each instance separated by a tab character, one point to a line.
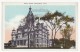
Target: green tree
55	21
66	34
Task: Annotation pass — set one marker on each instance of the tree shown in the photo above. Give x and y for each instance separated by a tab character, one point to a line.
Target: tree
52	21
66	34
55	21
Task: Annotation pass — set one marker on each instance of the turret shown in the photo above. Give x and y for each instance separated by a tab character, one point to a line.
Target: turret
30	17
13	37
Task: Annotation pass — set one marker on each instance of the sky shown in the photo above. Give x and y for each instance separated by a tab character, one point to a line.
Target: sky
14	14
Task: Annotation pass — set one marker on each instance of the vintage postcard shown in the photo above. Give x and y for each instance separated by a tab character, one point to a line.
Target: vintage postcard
39	25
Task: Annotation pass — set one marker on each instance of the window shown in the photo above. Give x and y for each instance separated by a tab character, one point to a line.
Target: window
32	29
21	42
25	30
13	33
19	31
36	36
17	42
37	40
19	36
14	37
24	42
25	35
44	35
40	32
39	35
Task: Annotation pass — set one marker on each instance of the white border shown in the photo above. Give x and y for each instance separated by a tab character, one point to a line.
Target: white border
42	49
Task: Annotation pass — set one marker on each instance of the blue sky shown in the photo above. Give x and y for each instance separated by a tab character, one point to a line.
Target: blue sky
14	10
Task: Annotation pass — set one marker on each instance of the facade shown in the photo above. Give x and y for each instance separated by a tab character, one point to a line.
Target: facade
30	34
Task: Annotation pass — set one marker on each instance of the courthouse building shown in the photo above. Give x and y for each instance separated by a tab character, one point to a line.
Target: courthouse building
31	34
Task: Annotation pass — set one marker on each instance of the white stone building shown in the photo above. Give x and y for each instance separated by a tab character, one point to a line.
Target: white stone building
30	35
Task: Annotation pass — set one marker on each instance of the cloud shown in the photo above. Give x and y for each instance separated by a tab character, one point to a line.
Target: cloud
14	22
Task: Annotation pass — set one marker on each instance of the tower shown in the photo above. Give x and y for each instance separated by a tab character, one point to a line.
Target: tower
13	37
30	18
30	25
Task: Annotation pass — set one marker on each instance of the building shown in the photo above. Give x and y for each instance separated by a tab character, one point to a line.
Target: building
30	34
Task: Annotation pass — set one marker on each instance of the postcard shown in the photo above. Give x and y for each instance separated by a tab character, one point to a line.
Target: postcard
39	25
